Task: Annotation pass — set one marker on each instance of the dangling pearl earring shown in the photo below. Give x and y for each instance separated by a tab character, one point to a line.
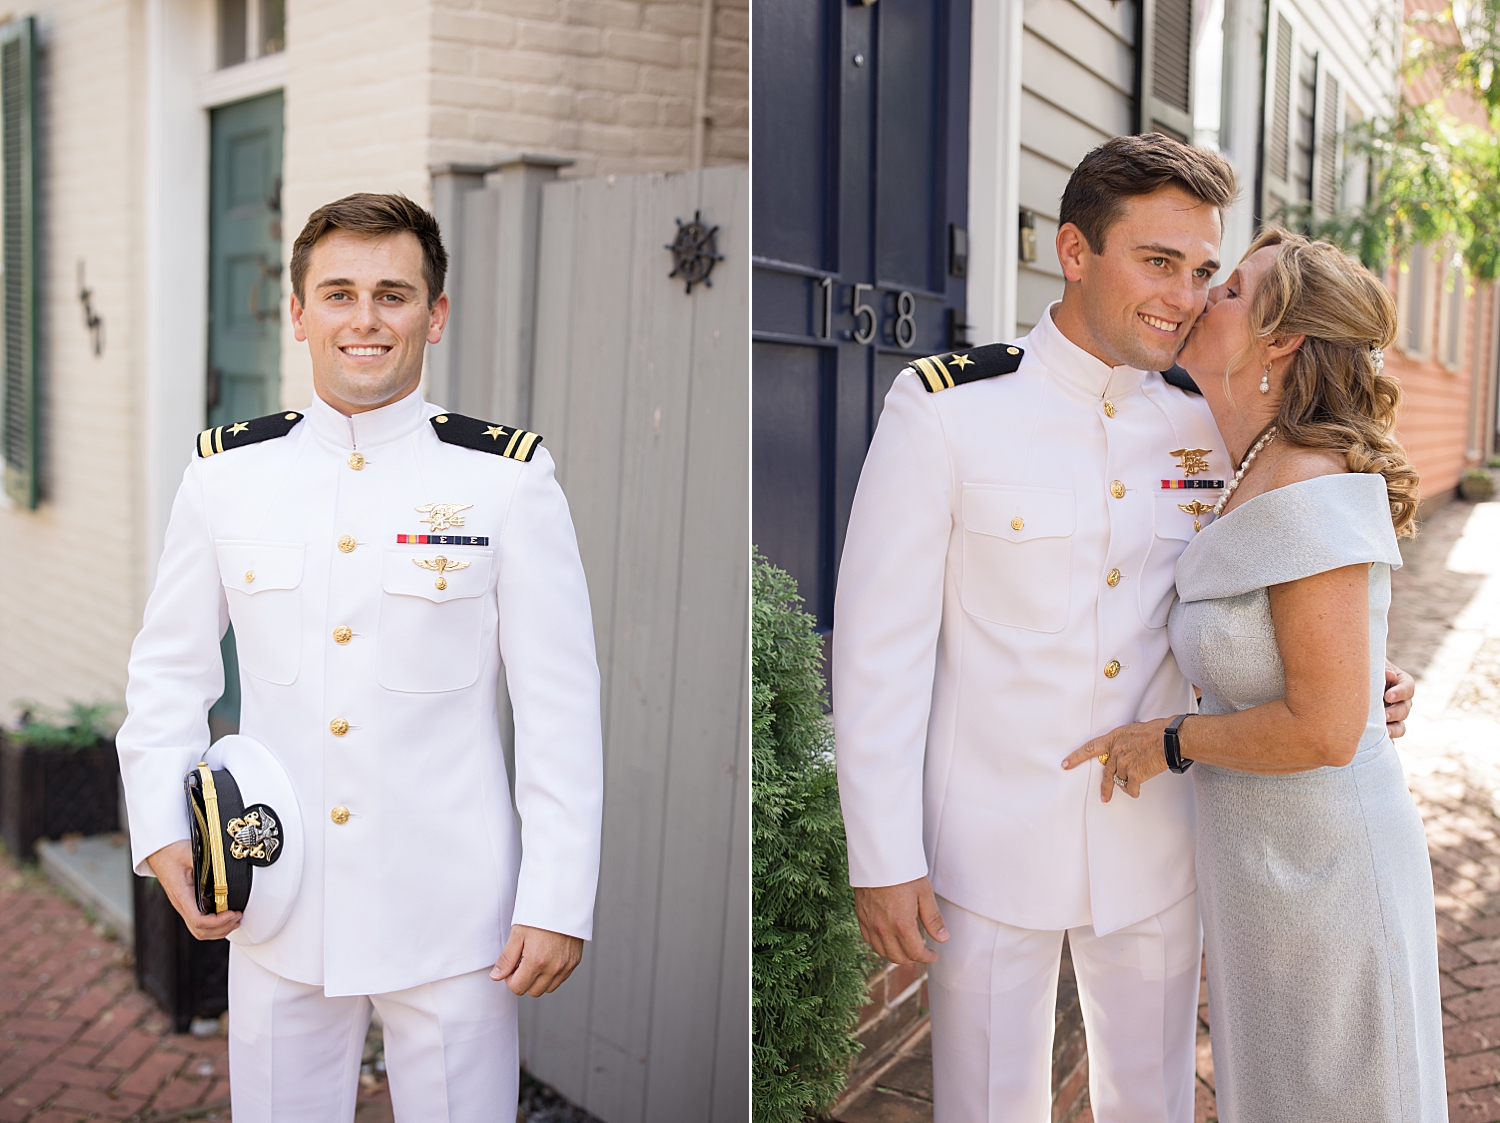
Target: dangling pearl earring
1265	380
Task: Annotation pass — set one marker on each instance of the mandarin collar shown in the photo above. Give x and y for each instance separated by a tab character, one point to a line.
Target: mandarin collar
368	429
1071	364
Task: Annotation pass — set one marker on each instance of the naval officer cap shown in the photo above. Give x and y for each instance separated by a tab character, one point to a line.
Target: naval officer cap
246	836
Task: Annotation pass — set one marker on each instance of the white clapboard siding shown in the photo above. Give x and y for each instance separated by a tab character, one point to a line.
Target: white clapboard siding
1077	90
641	392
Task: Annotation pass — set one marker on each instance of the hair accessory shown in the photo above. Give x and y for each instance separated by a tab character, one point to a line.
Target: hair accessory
1377	356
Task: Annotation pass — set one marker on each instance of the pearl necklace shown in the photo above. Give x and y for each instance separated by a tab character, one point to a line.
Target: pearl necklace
1244	467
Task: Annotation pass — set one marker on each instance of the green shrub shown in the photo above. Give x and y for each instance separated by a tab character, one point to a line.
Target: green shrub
809	963
82	727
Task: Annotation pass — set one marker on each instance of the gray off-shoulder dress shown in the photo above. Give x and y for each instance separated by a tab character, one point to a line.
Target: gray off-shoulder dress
1315	887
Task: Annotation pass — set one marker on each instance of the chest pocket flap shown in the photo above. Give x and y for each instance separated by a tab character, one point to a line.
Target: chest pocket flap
438	574
1017	514
257	567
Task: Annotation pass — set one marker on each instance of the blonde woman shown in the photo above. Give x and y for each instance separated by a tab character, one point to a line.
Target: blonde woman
1313	874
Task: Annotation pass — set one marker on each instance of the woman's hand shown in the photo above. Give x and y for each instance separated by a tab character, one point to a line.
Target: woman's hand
1132	752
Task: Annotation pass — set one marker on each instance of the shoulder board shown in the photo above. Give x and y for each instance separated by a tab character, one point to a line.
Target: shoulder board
470	432
225	437
943	372
1181	379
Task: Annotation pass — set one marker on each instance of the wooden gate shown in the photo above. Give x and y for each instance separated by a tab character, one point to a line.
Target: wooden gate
641	391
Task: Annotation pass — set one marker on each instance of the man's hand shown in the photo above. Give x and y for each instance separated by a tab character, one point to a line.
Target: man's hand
889	915
173	867
1400	687
535	961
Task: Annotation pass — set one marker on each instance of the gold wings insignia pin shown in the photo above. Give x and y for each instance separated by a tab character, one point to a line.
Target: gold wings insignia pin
441	516
440	565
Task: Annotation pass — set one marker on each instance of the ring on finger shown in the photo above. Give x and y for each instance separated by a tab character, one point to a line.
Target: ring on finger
1120	781
1103	758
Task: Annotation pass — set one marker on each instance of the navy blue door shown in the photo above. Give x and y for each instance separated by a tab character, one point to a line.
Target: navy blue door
860	196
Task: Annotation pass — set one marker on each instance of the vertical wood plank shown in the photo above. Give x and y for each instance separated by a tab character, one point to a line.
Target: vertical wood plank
640	698
708	680
642	393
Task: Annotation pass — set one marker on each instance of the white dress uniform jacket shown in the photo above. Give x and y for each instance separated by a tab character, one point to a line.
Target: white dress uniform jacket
1002	598
374	681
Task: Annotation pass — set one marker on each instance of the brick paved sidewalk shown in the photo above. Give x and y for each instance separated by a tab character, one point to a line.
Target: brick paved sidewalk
77	1040
79	1043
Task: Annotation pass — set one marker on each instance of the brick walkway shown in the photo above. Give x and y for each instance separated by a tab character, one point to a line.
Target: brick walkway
78	1042
1445	630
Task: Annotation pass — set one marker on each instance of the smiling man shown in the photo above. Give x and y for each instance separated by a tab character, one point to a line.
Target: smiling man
380	560
1002	599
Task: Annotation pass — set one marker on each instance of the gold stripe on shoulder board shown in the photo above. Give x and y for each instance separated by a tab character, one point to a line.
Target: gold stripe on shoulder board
934	374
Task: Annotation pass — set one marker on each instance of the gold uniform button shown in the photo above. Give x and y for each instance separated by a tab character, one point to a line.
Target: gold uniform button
441	419
249	576
343	634
1113	578
347	543
1117	489
1109	409
291	417
340	815
1017	523
1112	668
356	461
338	727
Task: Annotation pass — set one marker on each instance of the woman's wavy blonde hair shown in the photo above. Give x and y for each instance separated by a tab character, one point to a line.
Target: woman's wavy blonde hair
1334	396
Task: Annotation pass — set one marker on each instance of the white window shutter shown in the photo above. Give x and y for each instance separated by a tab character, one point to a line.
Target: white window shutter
1164	68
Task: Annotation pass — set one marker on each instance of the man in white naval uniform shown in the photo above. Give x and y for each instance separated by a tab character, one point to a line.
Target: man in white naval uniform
1002	598
380	560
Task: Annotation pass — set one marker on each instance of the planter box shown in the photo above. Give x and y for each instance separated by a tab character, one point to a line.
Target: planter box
1477	489
47	793
188	977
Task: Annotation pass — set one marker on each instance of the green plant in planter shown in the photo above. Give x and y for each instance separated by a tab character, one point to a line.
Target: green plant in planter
1477	485
808	961
1492	462
81	727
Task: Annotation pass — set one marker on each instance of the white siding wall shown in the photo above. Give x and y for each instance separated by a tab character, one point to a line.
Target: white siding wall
1077	79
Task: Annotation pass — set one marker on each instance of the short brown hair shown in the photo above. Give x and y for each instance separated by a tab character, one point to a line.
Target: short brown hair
364	213
1124	167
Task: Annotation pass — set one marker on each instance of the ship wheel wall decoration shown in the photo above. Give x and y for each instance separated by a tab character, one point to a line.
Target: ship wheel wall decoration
694	252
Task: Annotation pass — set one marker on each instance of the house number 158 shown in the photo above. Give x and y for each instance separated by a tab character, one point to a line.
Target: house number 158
903	327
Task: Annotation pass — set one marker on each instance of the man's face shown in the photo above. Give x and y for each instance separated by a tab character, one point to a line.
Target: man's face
1139	298
366	319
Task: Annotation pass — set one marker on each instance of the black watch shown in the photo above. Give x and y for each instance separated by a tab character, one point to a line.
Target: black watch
1175	760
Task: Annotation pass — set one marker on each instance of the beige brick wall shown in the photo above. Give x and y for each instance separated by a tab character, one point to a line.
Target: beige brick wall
357	117
70	571
610	83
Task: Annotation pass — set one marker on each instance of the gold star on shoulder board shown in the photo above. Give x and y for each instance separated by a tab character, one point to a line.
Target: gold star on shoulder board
238	427
494	432
961	361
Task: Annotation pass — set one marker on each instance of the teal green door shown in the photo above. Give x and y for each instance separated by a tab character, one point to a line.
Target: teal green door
244	294
244	287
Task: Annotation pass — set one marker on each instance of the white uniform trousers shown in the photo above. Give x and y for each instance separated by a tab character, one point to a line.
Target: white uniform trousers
450	1049
993	991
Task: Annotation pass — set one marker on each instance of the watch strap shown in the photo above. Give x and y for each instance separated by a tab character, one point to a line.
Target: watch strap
1173	747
